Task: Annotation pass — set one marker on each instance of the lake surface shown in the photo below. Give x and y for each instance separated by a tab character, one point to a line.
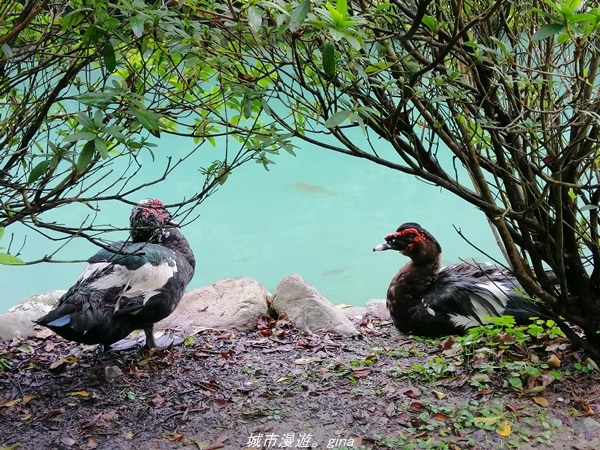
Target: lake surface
318	214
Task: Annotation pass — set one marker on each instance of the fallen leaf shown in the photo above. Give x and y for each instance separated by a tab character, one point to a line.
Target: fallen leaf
361	372
410	392
542	401
390	410
218	443
11	403
588	410
79	394
131	434
26	349
488	421
28	398
483	392
440	416
44	333
12	447
174	437
504	429
92	442
554	362
439	394
417	406
304	361
26	417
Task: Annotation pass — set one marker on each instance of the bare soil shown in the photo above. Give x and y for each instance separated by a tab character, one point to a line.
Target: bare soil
281	388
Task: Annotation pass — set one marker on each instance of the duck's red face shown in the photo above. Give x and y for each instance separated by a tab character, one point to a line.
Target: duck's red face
148	216
407	239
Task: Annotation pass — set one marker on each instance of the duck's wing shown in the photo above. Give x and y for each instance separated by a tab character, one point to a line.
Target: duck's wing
469	301
115	282
137	272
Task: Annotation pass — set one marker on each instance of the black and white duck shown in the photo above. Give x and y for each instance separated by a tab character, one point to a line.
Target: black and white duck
131	285
427	300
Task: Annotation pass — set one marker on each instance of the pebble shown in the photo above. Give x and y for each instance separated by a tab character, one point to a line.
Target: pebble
112	372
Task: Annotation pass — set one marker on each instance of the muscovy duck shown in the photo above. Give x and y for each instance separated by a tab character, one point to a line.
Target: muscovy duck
427	300
129	286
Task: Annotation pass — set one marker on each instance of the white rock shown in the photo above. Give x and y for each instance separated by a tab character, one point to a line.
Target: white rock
18	320
307	309
234	303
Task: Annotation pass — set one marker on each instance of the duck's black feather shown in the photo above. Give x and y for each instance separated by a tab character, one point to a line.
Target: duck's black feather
427	300
127	286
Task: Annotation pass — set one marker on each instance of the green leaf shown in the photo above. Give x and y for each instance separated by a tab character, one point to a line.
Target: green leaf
81	136
254	18
148	119
516	382
38	171
547	31
1	232
299	15
337	118
6	50
101	147
430	22
137	26
98	119
329	59
110	60
85	120
247	107
86	156
98	99
342	7
10	260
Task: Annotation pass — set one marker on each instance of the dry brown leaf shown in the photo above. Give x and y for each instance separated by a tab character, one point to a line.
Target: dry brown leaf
588	410
554	362
174	437
28	398
361	372
542	401
218	443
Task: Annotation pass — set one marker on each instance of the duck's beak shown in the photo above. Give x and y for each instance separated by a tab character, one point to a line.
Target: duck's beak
382	247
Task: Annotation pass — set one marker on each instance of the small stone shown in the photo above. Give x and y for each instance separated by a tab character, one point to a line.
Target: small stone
112	372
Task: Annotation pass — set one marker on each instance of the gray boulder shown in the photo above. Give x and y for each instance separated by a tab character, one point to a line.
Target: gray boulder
18	320
234	303
307	309
378	308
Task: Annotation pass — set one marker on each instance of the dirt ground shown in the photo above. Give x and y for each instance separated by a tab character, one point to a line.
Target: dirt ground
280	388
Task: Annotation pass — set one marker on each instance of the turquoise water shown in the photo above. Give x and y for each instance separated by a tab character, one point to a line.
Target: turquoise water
318	214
